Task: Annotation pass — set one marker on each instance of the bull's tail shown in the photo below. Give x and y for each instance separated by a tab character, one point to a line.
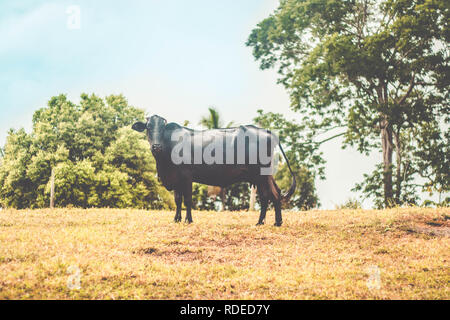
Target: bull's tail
285	197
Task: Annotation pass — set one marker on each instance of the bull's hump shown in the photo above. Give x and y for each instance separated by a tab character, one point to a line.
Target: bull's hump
172	126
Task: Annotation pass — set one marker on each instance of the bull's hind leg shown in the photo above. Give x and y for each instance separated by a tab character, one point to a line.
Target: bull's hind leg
178	202
275	193
278	218
264	199
187	194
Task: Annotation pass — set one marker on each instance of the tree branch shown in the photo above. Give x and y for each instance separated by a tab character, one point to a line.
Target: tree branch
329	129
408	92
330	138
423	83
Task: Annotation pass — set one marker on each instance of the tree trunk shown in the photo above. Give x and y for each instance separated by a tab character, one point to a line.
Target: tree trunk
398	155
387	147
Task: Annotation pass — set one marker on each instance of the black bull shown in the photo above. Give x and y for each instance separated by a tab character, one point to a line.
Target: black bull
177	151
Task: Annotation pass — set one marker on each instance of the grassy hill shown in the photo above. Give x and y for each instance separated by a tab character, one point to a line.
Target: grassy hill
133	254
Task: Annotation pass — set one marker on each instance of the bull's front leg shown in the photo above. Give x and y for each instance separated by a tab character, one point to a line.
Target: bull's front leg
178	202
262	215
187	194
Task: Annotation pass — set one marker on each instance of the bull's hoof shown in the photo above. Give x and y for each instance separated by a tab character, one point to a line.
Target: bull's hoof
177	220
260	223
188	221
278	224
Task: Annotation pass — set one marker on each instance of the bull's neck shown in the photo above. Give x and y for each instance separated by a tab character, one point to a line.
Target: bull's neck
163	163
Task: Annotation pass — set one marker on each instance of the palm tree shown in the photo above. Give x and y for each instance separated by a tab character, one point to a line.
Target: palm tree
213	121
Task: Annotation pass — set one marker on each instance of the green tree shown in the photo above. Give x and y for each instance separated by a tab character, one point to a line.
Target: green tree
375	69
16	188
98	160
213	120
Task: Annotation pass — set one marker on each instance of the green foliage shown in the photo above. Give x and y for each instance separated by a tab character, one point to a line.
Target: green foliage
213	120
200	198
350	204
16	186
98	160
424	154
374	69
237	197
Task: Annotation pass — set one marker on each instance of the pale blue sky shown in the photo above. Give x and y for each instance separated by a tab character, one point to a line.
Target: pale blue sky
172	58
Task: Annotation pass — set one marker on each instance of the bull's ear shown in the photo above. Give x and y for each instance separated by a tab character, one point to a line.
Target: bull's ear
139	126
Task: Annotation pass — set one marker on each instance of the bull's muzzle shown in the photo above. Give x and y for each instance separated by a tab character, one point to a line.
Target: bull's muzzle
157	148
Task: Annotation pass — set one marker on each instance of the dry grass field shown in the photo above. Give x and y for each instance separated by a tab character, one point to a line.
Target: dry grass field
132	254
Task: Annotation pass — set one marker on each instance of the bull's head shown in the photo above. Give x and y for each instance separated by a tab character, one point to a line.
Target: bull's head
155	129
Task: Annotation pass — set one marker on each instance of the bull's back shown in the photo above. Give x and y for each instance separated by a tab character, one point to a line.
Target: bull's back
221	157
